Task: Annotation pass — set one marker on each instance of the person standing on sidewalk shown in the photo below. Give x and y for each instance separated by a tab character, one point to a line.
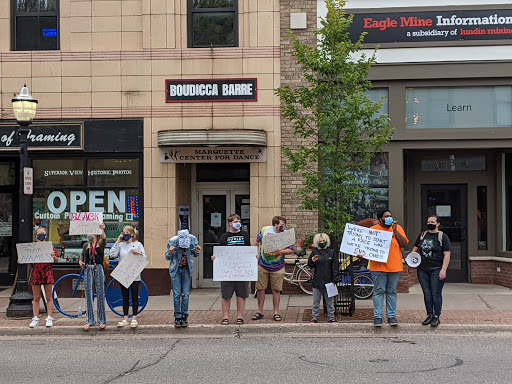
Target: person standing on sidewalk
271	267
386	275
42	274
126	243
180	252
327	270
91	260
435	249
234	237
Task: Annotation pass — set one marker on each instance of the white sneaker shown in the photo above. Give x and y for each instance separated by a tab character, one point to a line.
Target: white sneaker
49	322
35	322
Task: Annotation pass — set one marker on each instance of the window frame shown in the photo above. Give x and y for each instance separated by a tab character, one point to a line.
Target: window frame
190	30
14	21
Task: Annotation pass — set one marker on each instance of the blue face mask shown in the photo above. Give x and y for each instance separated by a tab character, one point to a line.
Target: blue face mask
282	228
237	226
41	236
127	236
388	221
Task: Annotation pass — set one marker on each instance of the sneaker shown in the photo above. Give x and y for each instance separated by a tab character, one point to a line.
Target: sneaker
49	322
178	323
428	320
313	321
35	322
333	321
392	321
122	323
377	322
435	321
184	321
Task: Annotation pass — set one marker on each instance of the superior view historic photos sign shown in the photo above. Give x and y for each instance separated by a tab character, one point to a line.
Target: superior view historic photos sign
433	26
198	90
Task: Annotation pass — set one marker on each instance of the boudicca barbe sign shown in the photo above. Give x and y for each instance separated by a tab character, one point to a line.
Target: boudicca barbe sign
213	90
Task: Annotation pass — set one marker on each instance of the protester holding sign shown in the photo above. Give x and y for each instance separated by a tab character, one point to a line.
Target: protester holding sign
42	274
385	275
126	243
435	249
181	250
271	268
91	260
327	270
234	237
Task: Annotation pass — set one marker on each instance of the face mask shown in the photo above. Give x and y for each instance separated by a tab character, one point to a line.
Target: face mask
237	226
388	221
322	245
127	236
90	238
41	236
282	228
431	227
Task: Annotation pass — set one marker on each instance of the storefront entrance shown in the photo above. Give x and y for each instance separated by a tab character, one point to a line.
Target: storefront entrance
8	221
215	202
449	203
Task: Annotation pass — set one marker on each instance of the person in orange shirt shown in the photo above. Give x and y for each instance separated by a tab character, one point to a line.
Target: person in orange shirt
386	275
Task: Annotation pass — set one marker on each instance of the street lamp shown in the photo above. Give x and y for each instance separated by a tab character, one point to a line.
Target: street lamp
24	107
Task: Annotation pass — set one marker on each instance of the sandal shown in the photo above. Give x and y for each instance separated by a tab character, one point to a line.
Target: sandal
122	323
257	316
86	327
103	326
134	323
224	322
239	321
277	317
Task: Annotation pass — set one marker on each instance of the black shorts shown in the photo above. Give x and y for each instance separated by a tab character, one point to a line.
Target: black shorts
241	288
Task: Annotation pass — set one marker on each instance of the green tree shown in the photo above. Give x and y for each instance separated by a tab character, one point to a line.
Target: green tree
340	128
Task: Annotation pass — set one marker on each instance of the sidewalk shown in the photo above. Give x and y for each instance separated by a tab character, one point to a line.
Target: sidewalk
463	304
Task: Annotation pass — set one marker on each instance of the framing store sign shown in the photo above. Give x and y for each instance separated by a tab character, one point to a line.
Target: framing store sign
213	155
41	136
179	91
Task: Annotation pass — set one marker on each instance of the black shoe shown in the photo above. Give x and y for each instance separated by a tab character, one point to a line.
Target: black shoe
178	322
377	322
184	321
428	320
435	321
392	321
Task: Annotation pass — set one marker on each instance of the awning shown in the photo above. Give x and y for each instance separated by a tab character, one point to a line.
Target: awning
212	137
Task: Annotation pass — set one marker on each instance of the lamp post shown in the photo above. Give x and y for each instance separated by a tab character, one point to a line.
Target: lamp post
24	107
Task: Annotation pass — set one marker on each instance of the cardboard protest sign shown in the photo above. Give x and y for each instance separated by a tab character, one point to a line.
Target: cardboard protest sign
38	252
235	263
85	223
282	240
129	269
371	243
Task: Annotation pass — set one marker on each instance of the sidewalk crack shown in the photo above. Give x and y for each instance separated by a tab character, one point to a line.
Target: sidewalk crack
487	305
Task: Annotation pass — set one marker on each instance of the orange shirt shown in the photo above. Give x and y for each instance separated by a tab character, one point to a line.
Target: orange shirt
394	263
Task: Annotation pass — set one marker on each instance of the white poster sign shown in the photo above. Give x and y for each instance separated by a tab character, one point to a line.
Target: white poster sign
128	269
184	216
216	219
282	240
371	243
85	223
38	252
234	263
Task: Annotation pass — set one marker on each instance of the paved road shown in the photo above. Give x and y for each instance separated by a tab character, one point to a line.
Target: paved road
237	358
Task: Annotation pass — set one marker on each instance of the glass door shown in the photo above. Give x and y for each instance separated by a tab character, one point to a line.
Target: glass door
8	221
215	205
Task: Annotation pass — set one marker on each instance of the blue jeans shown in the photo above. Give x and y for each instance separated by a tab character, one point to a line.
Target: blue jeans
385	283
95	274
181	291
432	291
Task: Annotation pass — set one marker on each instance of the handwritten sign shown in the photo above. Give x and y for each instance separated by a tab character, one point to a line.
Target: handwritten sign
282	240
371	243
129	269
38	252
235	263
85	223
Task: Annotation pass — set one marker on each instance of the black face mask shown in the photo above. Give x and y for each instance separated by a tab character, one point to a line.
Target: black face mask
431	227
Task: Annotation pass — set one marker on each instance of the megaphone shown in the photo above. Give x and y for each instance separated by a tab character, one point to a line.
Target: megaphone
413	259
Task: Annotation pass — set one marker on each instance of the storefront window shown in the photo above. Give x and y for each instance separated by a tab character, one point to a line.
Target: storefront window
507	235
481	201
112	172
54	173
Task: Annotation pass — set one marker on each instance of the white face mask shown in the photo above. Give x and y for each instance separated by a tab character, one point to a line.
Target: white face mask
237	226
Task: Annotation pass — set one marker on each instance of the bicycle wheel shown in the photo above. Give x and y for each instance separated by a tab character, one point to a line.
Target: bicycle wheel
68	295
304	278
363	286
115	297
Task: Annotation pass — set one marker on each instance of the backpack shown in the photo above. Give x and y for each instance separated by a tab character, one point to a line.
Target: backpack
439	237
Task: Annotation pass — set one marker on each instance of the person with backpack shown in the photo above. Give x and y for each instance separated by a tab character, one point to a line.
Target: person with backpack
435	250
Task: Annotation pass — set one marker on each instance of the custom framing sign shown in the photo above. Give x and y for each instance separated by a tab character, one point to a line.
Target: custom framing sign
44	136
210	90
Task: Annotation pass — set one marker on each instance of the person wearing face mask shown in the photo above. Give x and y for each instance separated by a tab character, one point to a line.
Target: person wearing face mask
435	250
126	243
327	270
271	267
42	274
386	275
91	260
234	237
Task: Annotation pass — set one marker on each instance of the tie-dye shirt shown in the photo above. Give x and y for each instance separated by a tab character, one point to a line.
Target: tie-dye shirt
271	261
